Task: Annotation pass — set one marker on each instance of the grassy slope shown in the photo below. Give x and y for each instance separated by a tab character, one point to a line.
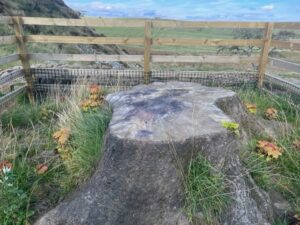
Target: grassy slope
27	141
282	175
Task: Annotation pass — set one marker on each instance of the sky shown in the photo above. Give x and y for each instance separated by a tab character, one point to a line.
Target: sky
217	10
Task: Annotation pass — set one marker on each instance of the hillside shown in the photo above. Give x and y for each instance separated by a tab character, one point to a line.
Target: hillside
58	9
45	8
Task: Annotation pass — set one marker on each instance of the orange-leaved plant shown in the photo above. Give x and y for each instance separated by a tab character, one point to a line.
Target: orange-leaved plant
62	136
251	108
269	149
94	100
271	113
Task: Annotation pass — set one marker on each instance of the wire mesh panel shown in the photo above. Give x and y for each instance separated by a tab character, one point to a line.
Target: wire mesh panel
276	84
60	78
280	86
10	96
10	76
46	78
63	78
206	77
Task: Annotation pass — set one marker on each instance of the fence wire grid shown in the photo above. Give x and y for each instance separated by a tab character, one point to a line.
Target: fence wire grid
62	79
45	79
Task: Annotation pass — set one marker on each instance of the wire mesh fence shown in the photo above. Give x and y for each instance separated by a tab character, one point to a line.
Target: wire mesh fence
208	78
278	86
46	79
10	76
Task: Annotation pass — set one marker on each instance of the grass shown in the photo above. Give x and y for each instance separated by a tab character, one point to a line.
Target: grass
259	168
283	174
207	195
24	147
85	143
27	143
24	115
206	192
288	111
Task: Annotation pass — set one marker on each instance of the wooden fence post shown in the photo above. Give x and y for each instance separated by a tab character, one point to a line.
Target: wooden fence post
264	57
17	22
147	51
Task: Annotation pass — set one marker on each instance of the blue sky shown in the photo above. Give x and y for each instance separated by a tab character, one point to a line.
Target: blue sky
242	10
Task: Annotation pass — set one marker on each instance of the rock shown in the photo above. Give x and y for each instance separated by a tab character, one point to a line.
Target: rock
154	133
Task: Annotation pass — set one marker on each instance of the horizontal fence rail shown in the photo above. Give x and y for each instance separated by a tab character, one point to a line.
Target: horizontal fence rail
100	22
147	42
140	58
285	45
85	57
84	40
207	42
140	41
4	40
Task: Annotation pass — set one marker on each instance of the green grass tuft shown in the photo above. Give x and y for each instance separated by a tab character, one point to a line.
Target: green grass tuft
25	115
86	143
206	191
257	165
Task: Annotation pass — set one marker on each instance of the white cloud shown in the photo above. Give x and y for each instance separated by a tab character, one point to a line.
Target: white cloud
186	9
97	6
269	7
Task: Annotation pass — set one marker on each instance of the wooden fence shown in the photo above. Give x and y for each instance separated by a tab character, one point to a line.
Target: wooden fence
21	39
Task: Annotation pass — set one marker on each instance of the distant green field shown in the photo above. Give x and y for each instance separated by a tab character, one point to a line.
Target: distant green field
167	32
171	33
